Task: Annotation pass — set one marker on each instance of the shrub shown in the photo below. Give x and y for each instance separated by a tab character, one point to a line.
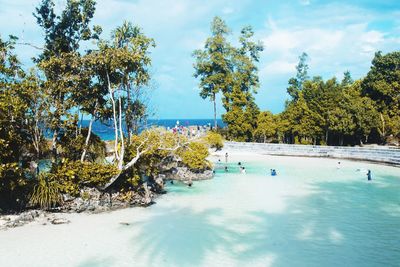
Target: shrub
214	140
73	145
46	193
194	157
14	187
74	175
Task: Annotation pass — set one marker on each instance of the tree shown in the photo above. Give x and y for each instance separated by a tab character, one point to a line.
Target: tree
213	64
60	59
366	117
266	126
241	109
14	136
382	85
296	83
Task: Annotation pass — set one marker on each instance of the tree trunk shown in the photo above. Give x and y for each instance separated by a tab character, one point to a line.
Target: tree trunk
128	116
80	125
54	147
326	137
215	112
111	92
87	139
122	152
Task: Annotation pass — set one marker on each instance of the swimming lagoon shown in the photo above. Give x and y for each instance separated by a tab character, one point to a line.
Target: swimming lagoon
315	212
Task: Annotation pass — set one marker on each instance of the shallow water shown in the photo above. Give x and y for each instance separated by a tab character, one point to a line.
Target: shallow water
311	214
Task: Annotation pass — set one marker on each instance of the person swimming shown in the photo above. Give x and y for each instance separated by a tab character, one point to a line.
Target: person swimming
369	175
243	170
239	163
273	172
226	168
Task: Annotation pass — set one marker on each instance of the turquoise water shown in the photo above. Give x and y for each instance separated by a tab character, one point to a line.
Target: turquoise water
318	215
311	214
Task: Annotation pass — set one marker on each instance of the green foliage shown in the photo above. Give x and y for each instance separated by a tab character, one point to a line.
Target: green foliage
213	64
74	175
72	143
46	193
296	83
64	32
14	187
382	85
195	156
266	126
214	140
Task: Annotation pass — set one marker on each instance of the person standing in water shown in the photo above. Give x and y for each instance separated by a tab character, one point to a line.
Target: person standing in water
369	175
226	157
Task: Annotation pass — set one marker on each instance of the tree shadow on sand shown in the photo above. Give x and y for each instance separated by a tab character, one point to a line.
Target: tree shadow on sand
344	223
180	237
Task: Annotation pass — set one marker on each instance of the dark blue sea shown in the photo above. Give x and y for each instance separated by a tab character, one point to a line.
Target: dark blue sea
106	130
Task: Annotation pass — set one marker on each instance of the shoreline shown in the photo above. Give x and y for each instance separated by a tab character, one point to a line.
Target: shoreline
17	220
389	156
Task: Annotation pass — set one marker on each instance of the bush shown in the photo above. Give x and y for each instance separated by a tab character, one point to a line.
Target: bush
194	157
214	140
14	187
73	145
74	175
46	193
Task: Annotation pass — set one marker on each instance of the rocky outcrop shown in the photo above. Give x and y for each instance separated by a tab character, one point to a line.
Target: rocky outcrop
92	200
38	216
185	174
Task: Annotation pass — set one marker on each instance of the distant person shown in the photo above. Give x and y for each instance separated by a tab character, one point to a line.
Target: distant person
243	170
226	157
369	175
338	166
226	168
273	172
219	160
239	163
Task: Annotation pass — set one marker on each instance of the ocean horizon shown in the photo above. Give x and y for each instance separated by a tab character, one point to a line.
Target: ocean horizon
106	130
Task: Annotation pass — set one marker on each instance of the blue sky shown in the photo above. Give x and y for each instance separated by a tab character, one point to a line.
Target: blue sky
337	35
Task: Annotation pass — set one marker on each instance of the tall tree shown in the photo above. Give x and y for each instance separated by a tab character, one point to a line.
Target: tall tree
213	64
382	85
296	83
241	109
59	60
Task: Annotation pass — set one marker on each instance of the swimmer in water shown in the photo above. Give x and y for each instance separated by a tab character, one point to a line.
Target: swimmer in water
226	168
338	166
243	170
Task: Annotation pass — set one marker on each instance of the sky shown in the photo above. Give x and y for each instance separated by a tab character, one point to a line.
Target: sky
337	36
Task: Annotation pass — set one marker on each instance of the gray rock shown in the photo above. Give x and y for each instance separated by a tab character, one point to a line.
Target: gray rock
60	221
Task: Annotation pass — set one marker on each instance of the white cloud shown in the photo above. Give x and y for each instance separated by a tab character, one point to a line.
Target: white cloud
352	46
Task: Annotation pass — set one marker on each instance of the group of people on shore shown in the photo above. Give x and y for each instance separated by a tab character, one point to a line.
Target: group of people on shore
190	130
